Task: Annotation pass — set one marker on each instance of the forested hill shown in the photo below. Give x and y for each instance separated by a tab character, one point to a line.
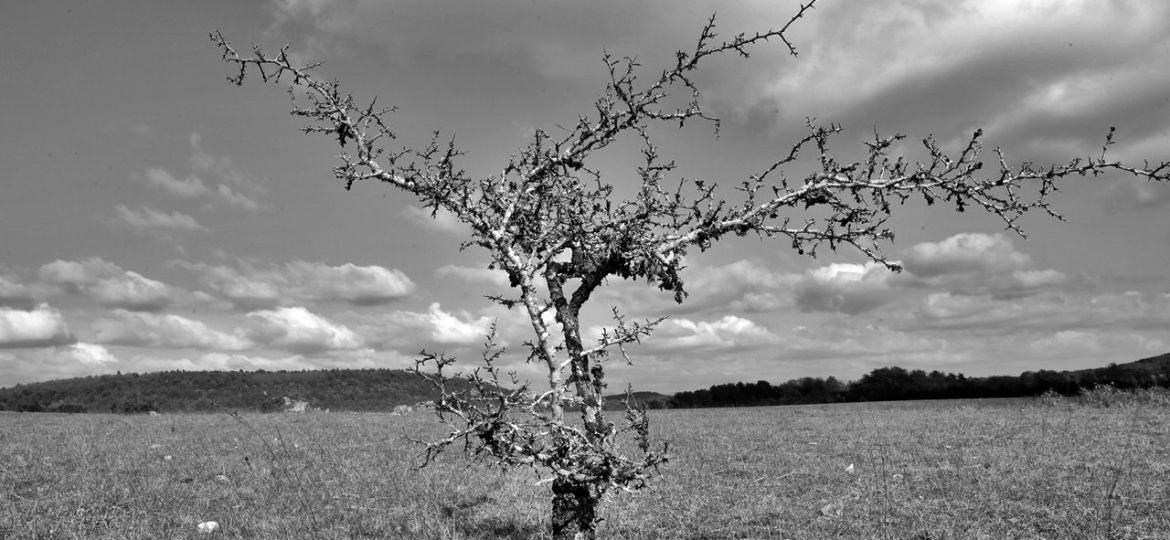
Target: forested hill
895	383
382	389
178	391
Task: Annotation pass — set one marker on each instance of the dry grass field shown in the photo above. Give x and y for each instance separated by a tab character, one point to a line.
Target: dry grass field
920	470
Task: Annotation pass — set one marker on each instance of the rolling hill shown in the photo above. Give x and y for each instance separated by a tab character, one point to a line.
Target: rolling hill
383	389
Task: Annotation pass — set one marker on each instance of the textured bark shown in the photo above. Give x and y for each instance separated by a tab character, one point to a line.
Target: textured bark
574	510
575	504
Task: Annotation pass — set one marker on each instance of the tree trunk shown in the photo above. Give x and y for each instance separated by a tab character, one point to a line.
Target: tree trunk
574	510
574	506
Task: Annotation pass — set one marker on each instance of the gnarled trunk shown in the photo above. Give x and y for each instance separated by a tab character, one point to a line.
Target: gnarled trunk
574	510
575	503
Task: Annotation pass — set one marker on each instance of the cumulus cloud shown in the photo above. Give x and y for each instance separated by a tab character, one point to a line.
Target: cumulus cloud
58	362
149	219
1028	282
964	253
189	187
448	328
436	327
235	198
358	285
90	354
299	330
132	291
108	284
14	294
169	331
1045	313
254	287
244	291
970	313
743	286
727	334
42	326
846	288
979	264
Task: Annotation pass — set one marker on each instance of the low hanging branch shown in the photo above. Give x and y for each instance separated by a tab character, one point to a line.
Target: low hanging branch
548	218
498	418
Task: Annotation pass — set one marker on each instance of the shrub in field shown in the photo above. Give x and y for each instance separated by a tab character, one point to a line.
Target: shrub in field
552	223
1050	398
1105	395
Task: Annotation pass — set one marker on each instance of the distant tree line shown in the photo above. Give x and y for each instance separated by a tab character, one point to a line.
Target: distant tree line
206	391
382	389
895	383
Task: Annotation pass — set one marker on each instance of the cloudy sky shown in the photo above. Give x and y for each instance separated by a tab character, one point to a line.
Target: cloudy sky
154	217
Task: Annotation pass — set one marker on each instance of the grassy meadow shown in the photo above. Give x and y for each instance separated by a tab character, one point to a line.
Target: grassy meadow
921	470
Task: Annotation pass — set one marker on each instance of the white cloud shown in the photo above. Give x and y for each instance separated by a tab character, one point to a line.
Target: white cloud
358	285
150	219
951	306
978	264
299	330
235	198
727	334
89	354
1043	314
964	253
75	275
132	291
743	286
447	328
108	284
253	287
189	187
56	362
436	328
43	326
1038	278
845	288
169	331
245	292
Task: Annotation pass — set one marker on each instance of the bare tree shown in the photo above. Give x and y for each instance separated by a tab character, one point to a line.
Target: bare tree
550	219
